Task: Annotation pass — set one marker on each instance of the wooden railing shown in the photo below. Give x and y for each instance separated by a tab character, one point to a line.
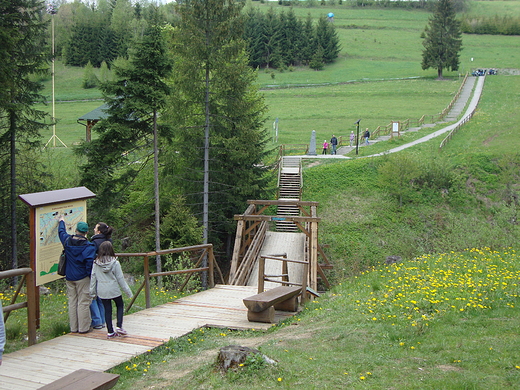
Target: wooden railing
243	271
31	304
405	124
206	255
455	129
284	276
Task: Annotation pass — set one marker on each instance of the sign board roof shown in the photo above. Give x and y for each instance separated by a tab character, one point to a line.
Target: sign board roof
56	196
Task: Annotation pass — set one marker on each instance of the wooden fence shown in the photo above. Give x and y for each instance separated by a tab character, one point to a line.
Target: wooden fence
205	258
27	279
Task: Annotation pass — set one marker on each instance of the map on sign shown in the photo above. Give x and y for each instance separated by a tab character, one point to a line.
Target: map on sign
48	246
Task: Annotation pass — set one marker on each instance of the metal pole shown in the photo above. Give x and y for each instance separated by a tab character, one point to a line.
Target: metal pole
357	137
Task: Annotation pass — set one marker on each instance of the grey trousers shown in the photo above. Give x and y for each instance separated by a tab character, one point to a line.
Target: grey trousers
79	305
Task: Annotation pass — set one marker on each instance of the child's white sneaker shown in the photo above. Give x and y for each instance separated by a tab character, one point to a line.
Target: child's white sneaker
121	331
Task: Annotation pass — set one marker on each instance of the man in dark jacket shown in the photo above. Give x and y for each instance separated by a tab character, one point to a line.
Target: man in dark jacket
334	143
80	254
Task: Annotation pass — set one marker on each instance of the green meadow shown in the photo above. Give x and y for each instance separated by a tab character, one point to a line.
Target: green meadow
447	316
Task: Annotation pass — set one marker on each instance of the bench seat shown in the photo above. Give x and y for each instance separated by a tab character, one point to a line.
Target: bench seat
261	307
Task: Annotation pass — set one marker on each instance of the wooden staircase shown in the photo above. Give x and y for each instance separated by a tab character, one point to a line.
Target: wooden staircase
289	187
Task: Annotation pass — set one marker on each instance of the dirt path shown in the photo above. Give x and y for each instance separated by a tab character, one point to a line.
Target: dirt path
182	368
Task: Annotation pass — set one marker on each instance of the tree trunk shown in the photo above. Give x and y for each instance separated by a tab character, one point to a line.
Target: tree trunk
14	251
156	196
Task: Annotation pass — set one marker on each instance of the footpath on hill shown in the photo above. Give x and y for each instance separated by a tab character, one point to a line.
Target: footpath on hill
472	90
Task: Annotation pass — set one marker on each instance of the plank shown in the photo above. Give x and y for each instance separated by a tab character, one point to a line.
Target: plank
266	299
84	380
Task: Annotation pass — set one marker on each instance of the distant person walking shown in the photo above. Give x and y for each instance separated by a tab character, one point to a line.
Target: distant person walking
366	135
102	233
325	147
79	254
106	283
334	143
352	138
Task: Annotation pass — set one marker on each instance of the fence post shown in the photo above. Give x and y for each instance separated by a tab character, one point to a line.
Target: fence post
31	307
147	282
211	267
261	271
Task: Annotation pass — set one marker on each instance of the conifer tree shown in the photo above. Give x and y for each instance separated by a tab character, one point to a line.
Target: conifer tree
23	54
442	39
220	139
128	137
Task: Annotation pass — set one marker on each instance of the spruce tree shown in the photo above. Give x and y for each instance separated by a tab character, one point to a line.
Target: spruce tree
127	138
220	138
23	54
442	39
327	38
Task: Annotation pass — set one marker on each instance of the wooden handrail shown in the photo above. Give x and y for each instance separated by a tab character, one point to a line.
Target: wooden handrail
262	277
30	304
207	251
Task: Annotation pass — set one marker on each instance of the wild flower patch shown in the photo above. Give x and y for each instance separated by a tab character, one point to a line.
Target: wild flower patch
416	294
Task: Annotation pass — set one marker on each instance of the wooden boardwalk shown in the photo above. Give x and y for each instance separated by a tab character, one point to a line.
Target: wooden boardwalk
276	243
40	364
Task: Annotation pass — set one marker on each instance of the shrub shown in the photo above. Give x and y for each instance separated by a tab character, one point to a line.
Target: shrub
90	80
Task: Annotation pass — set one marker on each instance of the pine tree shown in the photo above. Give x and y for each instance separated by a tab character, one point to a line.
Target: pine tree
217	156
23	54
308	38
442	39
327	38
135	96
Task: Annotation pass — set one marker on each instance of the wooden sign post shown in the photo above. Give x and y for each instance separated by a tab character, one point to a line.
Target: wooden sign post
45	211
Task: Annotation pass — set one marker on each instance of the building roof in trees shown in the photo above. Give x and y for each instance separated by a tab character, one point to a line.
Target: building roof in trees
96	114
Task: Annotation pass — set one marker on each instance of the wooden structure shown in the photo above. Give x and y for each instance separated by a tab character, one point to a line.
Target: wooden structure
31	303
53	203
251	230
261	307
92	118
84	380
200	253
48	361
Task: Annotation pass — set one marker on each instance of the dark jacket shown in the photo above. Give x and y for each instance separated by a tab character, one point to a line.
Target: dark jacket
80	254
98	239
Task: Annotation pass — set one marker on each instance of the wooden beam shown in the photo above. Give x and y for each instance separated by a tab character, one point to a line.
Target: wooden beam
283	202
269	218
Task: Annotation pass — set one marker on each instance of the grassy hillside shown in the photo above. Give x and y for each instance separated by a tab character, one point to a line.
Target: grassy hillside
447	316
446	321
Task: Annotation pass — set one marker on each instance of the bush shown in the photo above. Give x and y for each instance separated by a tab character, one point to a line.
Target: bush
90	80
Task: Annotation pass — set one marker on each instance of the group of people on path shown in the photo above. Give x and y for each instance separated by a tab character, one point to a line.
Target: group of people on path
334	142
94	279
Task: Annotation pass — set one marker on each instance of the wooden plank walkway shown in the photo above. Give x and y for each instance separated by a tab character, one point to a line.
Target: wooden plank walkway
40	364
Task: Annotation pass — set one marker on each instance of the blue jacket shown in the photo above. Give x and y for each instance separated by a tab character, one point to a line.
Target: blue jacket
80	254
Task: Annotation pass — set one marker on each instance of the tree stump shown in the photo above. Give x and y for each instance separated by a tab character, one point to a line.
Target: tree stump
231	356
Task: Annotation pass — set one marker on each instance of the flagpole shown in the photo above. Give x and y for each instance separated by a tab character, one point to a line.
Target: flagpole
52	10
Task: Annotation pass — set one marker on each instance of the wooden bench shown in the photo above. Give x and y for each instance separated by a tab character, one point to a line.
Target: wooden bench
84	380
261	307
